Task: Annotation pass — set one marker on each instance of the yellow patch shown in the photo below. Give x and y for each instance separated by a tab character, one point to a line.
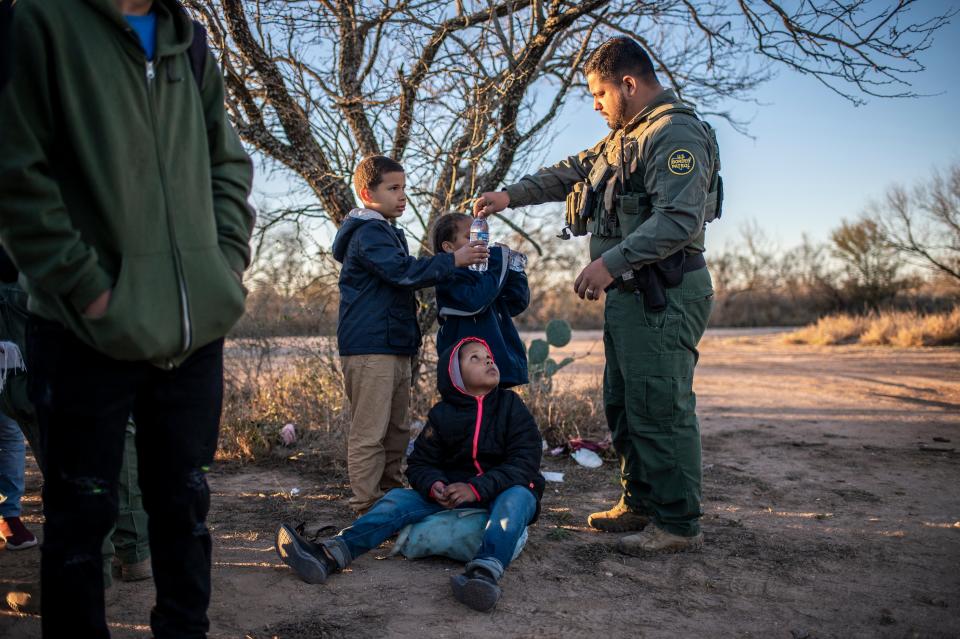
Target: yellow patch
681	162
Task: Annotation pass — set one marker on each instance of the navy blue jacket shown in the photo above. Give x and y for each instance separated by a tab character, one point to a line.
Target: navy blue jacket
378	310
481	304
491	443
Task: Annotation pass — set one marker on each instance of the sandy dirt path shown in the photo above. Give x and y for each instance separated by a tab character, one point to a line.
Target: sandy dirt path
832	499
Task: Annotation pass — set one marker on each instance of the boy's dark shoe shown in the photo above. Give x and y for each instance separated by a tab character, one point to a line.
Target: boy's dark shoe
15	534
476	588
618	519
307	558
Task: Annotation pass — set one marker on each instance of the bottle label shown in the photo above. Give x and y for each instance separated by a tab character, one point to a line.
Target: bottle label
482	236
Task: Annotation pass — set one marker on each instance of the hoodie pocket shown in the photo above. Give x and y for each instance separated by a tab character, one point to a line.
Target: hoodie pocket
142	319
215	294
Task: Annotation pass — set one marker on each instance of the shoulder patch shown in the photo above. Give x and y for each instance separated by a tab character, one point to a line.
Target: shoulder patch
681	162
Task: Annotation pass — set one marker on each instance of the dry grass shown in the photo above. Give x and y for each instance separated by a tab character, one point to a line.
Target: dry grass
265	390
268	386
888	328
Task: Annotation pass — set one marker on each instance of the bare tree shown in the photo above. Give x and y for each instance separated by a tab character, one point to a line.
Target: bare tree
924	224
872	266
464	93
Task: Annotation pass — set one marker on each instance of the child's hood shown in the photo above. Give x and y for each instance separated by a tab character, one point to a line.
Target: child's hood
353	221
449	379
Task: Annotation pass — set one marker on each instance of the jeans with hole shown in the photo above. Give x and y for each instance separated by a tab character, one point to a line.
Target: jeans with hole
83	401
12	457
510	513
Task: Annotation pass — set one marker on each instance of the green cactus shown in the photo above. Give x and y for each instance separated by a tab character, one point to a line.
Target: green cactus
558	333
542	367
538	352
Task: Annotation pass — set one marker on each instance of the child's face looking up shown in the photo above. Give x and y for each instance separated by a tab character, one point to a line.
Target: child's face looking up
480	373
388	198
460	239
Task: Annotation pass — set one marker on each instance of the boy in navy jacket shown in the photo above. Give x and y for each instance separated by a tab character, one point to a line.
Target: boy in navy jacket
482	303
377	333
479	448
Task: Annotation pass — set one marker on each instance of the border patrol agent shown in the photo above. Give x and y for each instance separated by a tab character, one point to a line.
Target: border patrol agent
644	193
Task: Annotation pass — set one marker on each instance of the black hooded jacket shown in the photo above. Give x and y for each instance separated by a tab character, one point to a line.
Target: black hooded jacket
489	442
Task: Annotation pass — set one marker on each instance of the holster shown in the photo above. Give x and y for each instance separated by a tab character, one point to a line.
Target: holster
653	280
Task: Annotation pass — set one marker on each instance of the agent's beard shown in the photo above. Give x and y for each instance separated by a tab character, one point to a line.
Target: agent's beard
617	111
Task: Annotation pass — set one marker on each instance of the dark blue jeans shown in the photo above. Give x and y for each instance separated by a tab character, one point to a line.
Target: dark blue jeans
84	400
510	513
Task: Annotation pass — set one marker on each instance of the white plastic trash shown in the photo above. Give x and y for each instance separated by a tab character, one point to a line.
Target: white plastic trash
587	458
549	475
288	434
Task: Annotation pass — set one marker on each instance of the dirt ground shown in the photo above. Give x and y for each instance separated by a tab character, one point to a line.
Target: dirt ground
832	510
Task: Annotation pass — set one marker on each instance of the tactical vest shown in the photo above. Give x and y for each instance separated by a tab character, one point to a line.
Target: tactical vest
612	202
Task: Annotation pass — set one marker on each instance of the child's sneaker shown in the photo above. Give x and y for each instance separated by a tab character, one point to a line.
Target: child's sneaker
476	588
16	534
307	559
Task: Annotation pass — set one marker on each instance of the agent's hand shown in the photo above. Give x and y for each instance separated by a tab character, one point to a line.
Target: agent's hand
593	280
437	491
472	253
458	494
98	307
491	202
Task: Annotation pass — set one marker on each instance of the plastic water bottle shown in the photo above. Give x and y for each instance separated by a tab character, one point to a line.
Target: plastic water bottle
480	232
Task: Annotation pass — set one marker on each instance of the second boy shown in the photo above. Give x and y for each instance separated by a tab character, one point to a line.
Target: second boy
377	333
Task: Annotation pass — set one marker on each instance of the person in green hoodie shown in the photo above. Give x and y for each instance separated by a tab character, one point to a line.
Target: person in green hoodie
123	203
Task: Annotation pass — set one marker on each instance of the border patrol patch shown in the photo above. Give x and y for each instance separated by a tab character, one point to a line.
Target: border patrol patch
681	162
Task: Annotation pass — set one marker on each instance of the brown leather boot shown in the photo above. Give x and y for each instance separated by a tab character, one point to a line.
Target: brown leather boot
618	519
654	541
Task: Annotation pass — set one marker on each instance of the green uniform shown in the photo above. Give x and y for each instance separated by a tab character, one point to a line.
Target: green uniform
128	540
650	203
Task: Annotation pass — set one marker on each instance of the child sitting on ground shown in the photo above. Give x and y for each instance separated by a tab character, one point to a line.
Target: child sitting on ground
377	332
482	303
479	448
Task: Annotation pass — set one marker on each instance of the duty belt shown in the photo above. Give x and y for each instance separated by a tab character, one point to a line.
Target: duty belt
653	280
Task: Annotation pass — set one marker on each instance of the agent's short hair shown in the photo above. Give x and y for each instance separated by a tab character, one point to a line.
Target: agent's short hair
618	57
370	171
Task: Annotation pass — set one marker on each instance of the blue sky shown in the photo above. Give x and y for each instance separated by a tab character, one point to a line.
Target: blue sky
815	158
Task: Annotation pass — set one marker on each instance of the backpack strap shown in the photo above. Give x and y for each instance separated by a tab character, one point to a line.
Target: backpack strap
197	53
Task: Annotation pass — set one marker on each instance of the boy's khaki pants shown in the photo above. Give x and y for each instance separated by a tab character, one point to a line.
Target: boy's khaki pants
378	387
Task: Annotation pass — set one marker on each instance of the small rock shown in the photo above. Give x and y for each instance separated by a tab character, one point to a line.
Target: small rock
886	618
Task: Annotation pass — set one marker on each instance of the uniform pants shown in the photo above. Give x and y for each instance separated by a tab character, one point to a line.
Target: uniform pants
378	387
128	540
84	400
650	403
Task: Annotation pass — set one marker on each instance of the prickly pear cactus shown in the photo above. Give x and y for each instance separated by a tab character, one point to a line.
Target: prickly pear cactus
541	366
558	333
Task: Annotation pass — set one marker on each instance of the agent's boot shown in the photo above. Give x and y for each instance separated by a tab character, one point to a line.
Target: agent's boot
136	571
476	588
312	562
618	519
654	540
